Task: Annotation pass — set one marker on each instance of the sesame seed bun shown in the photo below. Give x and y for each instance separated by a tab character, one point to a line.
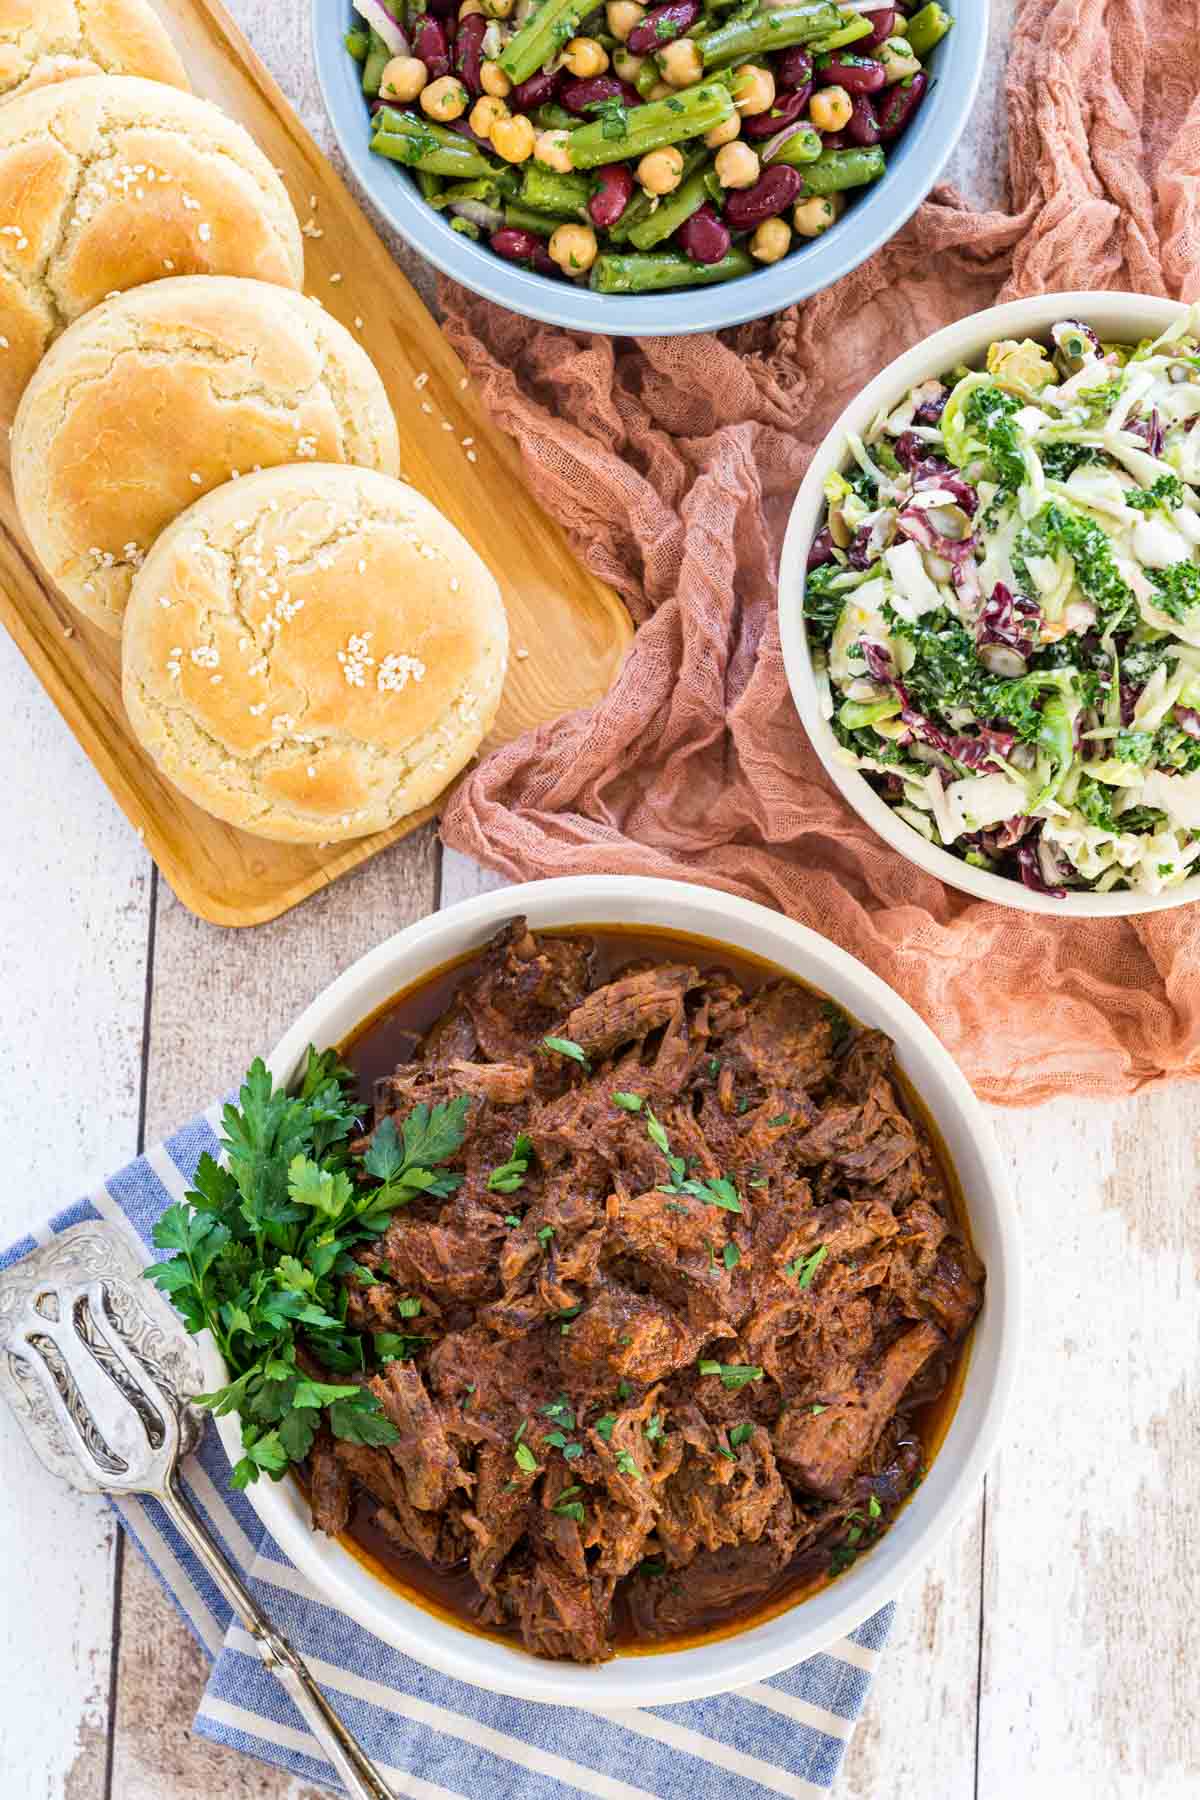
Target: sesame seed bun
313	652
156	397
112	182
44	41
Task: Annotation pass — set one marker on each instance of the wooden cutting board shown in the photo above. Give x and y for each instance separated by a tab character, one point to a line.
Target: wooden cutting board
574	629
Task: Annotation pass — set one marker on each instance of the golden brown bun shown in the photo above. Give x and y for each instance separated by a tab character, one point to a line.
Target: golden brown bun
313	652
45	41
160	395
109	183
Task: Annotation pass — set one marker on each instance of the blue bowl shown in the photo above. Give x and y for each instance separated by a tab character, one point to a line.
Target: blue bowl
877	213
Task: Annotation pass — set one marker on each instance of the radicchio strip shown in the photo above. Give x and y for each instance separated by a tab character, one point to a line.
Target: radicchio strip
1030	864
972	752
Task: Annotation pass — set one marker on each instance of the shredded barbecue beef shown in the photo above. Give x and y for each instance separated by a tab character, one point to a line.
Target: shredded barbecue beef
677	1361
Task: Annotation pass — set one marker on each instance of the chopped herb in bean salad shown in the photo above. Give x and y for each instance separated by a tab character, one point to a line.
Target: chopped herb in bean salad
1003	606
637	148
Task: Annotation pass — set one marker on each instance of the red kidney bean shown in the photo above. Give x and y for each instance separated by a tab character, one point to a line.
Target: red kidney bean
444	9
895	111
523	247
786	110
661	24
883	25
429	43
857	74
863	126
613	195
794	67
771	194
537	91
705	236
833	140
578	96
468	52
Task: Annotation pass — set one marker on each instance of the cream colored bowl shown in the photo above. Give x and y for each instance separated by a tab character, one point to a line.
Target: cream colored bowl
1116	317
954	1478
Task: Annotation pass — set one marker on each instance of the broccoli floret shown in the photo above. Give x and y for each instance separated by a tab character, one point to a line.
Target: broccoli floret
1178	588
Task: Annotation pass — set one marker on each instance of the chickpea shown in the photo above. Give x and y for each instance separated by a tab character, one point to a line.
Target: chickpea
496	9
514	138
622	16
830	108
737	166
585	57
553	149
493	80
469	7
484	114
812	217
661	171
753	90
681	64
403	78
626	65
898	59
662	90
725	132
445	99
573	248
771	240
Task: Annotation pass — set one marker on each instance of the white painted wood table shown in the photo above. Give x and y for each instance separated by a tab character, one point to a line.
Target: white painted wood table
1048	1652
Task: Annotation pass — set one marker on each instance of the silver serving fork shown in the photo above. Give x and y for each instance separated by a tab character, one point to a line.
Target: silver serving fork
96	1365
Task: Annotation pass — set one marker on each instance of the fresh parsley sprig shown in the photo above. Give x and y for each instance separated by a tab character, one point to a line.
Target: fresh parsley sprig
261	1244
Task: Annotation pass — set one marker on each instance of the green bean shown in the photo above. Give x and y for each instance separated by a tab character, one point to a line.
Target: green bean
768	31
430	186
524	218
358	43
643	204
493	192
543	33
804	146
662	269
845	34
466	228
671	212
544	190
422	145
927	28
835	170
555	118
377	59
684	115
647	77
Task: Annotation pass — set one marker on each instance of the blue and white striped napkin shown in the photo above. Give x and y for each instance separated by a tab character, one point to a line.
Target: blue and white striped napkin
435	1738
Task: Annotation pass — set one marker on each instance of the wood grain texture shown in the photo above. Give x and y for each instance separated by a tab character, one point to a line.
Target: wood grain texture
572	631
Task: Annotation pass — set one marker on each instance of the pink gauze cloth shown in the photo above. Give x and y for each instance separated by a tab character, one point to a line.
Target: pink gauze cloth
672	462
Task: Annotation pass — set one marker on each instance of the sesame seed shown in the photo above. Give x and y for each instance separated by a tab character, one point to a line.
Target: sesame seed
196	479
68	631
454	584
334	278
421	380
462	381
168	264
471	457
522	655
358	324
446	425
425	407
312	773
467	442
204	232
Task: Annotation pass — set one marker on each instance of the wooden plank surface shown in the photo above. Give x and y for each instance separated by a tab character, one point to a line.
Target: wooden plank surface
1047	1654
569	631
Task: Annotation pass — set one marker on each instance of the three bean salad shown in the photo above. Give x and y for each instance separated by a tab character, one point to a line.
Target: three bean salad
1003	606
637	148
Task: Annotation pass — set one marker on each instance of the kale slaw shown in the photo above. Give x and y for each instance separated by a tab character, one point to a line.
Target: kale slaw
1003	610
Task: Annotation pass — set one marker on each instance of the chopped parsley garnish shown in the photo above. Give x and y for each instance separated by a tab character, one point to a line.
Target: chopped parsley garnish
560	1411
655	1427
567	1507
629	1102
719	1191
733	1375
260	1248
568	1047
839	1024
525	1459
804	1268
507	1177
627	1466
613	116
816	1408
408	1307
545	1233
604	1426
780	1119
741	1434
731	1256
874	1508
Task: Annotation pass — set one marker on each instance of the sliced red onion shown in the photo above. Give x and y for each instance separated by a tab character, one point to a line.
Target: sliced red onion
1130	693
478	212
1188	719
380	20
1150	431
774	145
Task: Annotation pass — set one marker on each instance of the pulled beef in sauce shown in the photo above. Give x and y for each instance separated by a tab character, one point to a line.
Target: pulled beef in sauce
640	1389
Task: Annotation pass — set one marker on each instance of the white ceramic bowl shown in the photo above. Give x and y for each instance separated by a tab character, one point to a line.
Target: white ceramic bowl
762	1650
1116	317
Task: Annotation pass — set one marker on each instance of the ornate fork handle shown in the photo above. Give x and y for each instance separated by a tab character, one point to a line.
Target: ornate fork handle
359	1774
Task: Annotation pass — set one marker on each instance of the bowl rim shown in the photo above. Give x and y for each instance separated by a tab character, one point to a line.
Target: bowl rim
337	1579
961	341
886	207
